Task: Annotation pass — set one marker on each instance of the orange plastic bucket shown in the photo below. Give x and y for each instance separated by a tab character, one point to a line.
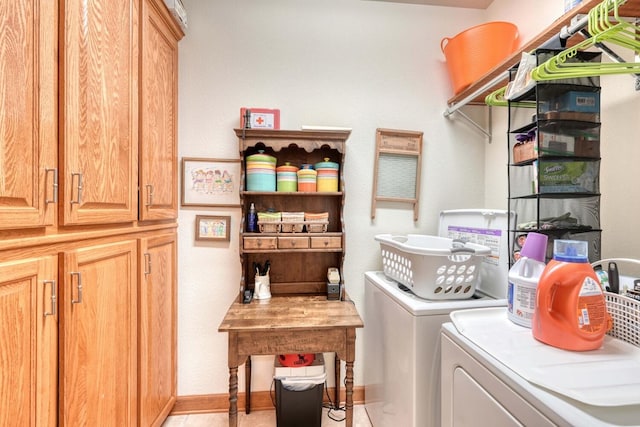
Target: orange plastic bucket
473	52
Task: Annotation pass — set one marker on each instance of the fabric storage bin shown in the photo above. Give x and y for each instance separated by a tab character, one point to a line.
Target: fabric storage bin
269	222
292	222
316	222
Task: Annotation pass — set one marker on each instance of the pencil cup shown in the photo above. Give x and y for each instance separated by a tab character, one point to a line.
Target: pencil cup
262	287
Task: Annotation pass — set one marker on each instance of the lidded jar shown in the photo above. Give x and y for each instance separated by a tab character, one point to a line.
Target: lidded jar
307	178
287	177
261	172
327	179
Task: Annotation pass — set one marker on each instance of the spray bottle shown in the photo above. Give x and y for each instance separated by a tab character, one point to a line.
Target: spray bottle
523	280
570	309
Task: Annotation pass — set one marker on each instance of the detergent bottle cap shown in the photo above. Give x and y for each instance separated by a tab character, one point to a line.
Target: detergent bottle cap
535	247
570	251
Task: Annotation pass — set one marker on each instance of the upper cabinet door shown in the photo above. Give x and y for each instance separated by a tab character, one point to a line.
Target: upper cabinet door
28	72
99	111
158	114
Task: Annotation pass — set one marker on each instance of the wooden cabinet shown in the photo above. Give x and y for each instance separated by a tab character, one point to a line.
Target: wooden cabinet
28	332
158	113
157	337
98	132
299	261
98	350
87	107
28	111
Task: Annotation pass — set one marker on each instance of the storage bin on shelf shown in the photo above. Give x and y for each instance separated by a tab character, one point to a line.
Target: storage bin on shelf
292	222
316	222
269	222
436	268
476	50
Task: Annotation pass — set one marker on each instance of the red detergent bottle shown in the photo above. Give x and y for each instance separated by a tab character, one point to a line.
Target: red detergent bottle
570	310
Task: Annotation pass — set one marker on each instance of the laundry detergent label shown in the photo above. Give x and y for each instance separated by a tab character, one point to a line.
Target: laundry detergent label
591	308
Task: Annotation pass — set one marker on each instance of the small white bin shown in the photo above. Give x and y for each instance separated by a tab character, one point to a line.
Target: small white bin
436	268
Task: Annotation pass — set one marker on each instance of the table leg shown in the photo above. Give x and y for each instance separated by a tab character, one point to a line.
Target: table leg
247	385
349	394
233	396
336	400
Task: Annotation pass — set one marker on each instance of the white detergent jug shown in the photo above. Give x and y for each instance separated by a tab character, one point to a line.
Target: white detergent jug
524	276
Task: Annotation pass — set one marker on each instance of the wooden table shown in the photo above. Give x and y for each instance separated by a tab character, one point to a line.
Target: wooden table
297	324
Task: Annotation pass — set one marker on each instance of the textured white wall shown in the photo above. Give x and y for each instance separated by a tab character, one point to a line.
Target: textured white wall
350	63
362	65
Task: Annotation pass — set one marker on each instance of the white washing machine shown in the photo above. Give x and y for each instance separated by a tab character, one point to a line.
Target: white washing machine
509	379
401	357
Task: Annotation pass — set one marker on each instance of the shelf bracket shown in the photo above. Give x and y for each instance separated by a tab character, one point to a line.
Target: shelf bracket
487	133
455	108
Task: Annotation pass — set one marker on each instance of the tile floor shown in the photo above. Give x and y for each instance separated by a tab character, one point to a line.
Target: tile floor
261	419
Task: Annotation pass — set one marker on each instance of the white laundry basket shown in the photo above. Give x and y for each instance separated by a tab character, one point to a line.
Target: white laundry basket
436	268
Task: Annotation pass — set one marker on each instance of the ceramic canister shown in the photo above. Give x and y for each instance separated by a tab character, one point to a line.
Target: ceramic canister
287	178
327	179
307	179
261	172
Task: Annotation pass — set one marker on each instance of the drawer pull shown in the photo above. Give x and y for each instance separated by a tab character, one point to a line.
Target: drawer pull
54	185
78	287
53	298
149	194
79	188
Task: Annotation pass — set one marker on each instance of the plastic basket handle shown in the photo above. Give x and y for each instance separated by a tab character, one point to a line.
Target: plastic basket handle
443	44
458	246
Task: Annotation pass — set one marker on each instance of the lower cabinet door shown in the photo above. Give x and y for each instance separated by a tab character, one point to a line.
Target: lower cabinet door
157	328
28	332
99	336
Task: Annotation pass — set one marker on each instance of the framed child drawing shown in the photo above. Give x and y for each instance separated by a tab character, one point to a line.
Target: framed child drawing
210	182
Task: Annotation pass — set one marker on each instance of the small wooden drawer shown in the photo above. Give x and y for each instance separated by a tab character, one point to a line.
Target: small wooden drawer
293	242
260	243
326	242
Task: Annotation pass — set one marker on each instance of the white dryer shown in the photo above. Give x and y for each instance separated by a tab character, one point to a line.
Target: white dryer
401	357
494	370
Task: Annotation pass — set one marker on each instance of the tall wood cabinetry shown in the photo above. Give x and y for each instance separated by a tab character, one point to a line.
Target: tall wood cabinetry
554	159
29	335
299	261
87	290
157	293
28	111
158	124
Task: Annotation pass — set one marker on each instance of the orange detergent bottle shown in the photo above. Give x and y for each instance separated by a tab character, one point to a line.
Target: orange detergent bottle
570	310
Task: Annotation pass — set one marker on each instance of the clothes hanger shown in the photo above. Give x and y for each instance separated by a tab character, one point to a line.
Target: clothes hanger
602	29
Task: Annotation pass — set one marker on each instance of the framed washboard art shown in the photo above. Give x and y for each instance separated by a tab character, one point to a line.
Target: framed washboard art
396	174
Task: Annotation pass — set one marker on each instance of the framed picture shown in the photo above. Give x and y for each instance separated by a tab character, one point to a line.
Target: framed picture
212	228
210	182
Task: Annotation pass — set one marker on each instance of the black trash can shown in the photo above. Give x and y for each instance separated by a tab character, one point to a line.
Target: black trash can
299	393
299	408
